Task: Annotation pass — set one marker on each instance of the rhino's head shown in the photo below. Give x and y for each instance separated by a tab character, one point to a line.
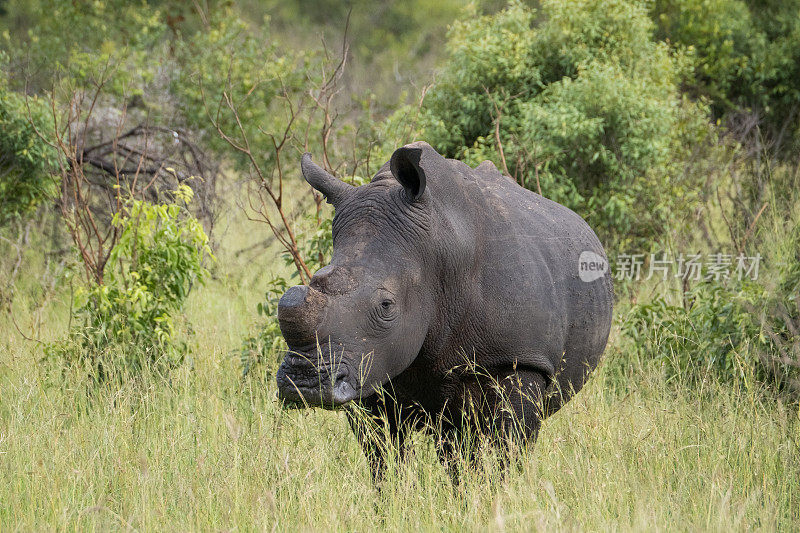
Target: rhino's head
364	317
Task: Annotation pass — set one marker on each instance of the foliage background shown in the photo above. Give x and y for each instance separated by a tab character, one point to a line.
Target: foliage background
142	396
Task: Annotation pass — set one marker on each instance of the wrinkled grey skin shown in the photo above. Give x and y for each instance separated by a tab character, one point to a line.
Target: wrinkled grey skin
455	292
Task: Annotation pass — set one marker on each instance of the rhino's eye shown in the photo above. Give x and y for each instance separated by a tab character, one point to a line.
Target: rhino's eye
386	310
383	315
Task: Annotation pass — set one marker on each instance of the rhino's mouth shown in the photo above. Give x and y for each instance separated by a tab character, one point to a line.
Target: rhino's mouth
306	379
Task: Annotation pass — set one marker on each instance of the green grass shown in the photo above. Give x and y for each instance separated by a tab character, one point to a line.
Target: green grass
207	450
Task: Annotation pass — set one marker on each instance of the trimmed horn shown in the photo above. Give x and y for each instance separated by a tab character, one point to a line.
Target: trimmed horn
300	312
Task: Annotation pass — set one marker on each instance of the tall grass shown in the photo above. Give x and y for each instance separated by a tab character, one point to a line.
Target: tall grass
207	450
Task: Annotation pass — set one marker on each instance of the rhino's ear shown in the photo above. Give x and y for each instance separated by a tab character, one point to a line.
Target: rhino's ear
406	168
333	188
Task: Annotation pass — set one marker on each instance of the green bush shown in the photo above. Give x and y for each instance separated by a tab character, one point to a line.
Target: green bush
232	65
721	36
746	53
27	162
706	337
120	35
132	320
736	330
585	103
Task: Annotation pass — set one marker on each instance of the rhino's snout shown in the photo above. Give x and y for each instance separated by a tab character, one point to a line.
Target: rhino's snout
300	312
303	381
311	373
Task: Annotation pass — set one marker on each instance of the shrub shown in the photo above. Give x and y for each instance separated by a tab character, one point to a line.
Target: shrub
131	320
746	53
577	101
731	329
102	33
230	66
26	162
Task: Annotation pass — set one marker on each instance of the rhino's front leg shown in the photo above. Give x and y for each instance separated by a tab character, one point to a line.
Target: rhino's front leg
381	430
504	409
517	400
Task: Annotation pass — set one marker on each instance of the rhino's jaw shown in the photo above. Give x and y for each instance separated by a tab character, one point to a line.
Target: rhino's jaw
309	383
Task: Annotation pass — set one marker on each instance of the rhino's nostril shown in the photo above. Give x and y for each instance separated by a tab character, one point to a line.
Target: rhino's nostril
343	392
